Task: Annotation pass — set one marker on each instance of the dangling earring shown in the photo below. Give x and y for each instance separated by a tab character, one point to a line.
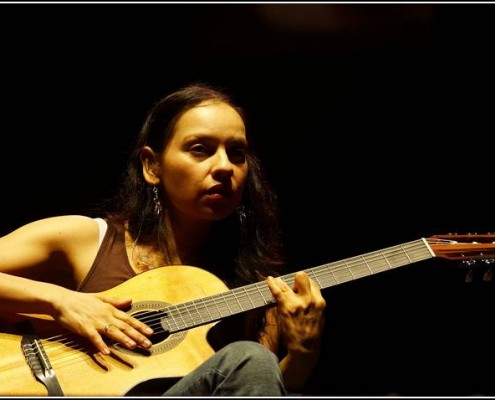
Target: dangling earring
241	213
156	202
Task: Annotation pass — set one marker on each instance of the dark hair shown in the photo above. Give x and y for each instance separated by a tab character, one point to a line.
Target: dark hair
242	248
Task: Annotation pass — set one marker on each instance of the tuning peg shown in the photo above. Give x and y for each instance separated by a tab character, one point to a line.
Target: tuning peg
469	276
488	275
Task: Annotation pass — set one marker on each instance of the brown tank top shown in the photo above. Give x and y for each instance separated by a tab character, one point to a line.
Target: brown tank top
111	266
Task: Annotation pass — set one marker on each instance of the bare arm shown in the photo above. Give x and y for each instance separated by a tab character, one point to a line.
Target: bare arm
42	263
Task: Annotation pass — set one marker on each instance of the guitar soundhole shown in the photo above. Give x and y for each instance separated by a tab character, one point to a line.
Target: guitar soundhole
151	318
150	313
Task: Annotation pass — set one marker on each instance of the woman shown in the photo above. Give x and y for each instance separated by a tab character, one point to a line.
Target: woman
193	194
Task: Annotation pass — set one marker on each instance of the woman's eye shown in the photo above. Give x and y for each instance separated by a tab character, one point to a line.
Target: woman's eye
238	155
198	149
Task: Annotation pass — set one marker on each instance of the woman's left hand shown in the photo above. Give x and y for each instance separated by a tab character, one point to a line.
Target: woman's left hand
301	311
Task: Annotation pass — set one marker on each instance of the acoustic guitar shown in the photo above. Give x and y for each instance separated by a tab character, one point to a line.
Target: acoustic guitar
181	304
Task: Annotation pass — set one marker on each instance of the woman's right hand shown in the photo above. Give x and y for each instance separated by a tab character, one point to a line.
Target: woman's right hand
95	316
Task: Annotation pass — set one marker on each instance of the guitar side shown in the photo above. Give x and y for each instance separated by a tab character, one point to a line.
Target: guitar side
80	374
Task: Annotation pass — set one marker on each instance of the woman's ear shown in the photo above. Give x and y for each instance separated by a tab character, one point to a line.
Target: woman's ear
151	166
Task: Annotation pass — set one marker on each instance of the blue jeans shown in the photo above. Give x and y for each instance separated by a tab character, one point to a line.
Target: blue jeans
242	368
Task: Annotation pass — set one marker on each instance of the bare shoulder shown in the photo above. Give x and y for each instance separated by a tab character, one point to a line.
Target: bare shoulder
59	229
68	242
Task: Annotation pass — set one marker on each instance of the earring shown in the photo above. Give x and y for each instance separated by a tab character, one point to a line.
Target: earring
156	202
241	213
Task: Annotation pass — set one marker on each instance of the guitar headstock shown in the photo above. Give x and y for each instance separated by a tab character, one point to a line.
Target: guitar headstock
472	250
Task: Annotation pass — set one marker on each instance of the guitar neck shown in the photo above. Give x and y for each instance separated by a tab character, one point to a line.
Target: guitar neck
193	313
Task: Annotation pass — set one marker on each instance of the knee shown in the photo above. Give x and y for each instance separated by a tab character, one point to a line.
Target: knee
253	352
249	368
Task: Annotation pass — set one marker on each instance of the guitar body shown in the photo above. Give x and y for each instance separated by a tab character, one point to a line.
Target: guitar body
80	374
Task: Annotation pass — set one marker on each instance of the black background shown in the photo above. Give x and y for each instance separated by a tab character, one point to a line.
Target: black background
374	122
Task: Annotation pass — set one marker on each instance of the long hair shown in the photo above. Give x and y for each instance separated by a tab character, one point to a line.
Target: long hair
244	247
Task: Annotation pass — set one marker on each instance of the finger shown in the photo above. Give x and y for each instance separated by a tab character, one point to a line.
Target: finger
115	333
106	328
302	284
317	297
99	343
140	339
283	286
134	323
129	332
277	286
123	328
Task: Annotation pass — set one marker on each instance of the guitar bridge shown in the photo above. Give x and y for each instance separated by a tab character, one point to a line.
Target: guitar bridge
40	365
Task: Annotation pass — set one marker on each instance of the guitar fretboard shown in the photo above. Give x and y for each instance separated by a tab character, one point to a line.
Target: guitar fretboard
213	308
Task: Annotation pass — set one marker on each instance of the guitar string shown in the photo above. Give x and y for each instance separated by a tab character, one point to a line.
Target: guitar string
327	270
185	305
327	274
234	294
229	311
249	291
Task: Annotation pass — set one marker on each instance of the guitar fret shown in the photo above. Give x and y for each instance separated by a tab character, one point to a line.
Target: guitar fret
226	303
172	318
349	269
219	310
344	273
197	312
257	293
329	281
187	308
207	310
249	298
407	255
185	315
386	259
180	316
367	265
262	291
314	276
334	277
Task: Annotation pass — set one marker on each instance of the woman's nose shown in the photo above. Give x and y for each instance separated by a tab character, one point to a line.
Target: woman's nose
222	163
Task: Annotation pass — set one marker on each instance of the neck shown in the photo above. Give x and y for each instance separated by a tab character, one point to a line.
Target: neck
187	239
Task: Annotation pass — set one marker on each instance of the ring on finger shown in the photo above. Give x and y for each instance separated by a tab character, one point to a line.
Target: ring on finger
107	327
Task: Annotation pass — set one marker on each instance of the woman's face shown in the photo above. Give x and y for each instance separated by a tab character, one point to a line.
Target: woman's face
204	166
